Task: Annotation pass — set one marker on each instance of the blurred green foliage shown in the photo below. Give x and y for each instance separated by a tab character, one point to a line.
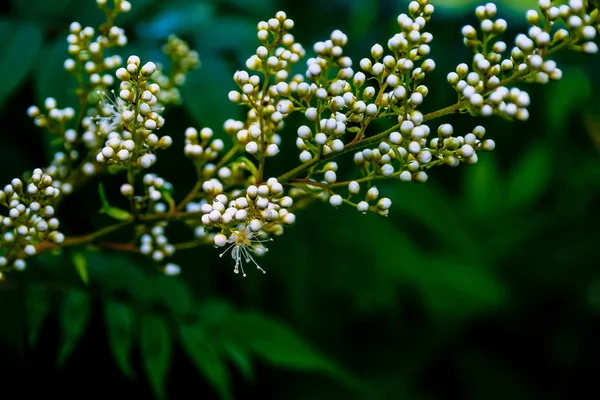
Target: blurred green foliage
483	283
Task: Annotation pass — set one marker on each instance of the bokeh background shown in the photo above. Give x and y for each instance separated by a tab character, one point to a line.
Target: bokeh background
484	283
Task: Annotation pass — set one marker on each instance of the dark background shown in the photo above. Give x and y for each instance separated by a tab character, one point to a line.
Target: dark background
482	283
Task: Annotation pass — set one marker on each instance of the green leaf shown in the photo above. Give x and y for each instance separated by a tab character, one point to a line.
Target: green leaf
530	177
255	7
156	349
113	212
241	359
453	289
173	294
51	79
565	97
249	165
38	308
207	359
278	345
483	188
74	317
176	18
119	329
42	10
80	263
205	88
363	16
445	222
21	43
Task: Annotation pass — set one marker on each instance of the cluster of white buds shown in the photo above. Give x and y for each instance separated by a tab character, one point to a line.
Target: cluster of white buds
346	104
157	194
269	103
456	149
130	120
244	219
371	202
56	121
232	206
88	52
155	244
183	59
483	88
29	219
55	118
202	147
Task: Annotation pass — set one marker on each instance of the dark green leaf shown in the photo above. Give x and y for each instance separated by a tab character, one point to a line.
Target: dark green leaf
113	212
249	165
530	177
453	289
42	10
51	79
21	43
156	349
435	209
177	18
205	88
80	263
119	329
565	97
170	292
483	188
262	8
38	307
74	317
364	15
241	359
277	344
236	35
206	358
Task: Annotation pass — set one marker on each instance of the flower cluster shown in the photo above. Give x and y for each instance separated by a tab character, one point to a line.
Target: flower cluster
30	218
183	59
245	220
132	118
232	205
484	86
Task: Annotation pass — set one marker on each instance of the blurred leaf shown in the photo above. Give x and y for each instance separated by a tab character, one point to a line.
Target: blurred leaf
38	307
242	360
206	358
454	289
176	17
43	10
119	329
113	212
119	272
277	344
262	8
74	317
446	222
80	263
21	43
156	349
565	97
593	294
530	177
205	93
236	37
51	79
483	188
363	15
170	292
455	8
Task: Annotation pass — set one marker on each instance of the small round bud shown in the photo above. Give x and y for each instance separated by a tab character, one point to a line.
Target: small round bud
335	200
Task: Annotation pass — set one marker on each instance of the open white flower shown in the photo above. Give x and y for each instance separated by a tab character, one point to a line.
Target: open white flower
243	244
